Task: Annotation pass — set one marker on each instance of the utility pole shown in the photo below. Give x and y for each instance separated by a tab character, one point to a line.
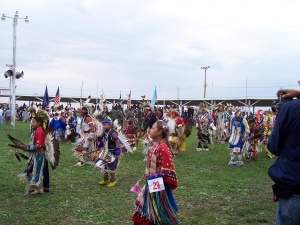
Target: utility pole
246	90
205	68
14	75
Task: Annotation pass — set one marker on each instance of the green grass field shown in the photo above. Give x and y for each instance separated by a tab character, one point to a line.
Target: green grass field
209	192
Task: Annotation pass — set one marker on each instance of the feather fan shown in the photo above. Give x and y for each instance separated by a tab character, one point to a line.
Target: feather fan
20	155
17	143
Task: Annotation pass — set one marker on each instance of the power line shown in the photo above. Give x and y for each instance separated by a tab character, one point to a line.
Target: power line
164	90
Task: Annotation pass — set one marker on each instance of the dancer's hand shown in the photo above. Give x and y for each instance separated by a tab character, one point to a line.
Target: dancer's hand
289	93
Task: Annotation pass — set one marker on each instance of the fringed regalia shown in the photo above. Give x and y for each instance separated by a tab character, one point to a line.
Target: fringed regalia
159	207
239	129
41	147
221	124
269	122
86	150
252	147
173	138
185	133
34	172
176	131
130	133
239	133
106	159
203	125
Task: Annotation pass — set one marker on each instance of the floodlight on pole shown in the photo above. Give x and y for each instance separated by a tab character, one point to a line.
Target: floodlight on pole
205	68
13	67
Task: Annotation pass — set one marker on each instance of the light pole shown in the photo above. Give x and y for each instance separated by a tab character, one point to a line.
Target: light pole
13	68
205	68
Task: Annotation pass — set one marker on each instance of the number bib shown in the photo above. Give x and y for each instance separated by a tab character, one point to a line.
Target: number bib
100	164
236	149
156	185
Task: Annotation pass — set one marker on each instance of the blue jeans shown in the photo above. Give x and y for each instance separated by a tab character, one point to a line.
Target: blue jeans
1	120
288	211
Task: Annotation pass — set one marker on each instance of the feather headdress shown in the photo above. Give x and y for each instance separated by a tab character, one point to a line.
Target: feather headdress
40	113
220	105
147	105
203	105
88	105
32	110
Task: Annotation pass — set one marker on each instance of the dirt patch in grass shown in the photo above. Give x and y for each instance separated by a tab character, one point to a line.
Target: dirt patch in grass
71	219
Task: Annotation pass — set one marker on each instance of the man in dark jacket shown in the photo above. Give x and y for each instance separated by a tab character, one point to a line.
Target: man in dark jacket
284	142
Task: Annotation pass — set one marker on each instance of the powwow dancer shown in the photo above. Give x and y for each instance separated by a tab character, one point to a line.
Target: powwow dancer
129	131
239	132
269	122
87	143
36	173
221	124
184	132
176	125
149	120
252	146
203	125
110	150
155	203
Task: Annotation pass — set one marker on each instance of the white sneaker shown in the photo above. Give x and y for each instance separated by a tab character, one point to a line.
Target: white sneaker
231	162
206	149
239	163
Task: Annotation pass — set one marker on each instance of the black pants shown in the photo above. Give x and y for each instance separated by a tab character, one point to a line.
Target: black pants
46	180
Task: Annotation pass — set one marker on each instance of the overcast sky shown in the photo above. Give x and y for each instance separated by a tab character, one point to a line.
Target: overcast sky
123	45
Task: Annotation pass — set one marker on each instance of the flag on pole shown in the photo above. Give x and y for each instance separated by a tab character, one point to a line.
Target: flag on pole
154	98
46	99
102	99
129	100
57	98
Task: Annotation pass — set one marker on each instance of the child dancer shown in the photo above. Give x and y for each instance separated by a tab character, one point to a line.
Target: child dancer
155	204
111	142
37	172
